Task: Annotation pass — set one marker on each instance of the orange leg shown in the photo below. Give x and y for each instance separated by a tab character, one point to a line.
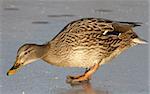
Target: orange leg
82	78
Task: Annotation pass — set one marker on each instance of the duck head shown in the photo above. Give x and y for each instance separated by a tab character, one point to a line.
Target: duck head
26	54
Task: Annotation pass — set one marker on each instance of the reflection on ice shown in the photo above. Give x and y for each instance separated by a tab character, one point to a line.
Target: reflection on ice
103	10
84	88
61	15
40	22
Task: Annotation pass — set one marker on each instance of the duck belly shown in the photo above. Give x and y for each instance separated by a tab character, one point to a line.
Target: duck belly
77	58
83	58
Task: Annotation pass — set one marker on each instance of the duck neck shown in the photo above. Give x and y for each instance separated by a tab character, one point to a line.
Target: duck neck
41	50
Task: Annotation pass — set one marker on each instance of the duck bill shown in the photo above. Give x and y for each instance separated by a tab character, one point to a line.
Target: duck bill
139	41
14	69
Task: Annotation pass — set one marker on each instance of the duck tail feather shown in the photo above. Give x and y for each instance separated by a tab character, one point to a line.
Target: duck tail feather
133	24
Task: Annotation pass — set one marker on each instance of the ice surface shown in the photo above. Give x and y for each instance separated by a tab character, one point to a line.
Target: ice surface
38	21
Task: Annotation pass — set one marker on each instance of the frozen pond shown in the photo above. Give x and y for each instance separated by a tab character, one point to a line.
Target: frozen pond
38	21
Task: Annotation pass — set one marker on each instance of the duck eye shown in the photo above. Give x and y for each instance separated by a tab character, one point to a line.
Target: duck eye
111	33
25	53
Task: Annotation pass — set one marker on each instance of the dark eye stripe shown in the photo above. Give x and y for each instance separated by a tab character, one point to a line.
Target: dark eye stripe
27	51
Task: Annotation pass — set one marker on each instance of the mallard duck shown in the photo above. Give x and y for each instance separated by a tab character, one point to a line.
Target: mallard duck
85	43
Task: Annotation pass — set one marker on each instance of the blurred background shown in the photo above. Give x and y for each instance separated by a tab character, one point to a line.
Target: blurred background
38	21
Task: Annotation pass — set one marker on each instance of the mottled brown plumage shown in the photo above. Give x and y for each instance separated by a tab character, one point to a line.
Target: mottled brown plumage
87	43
